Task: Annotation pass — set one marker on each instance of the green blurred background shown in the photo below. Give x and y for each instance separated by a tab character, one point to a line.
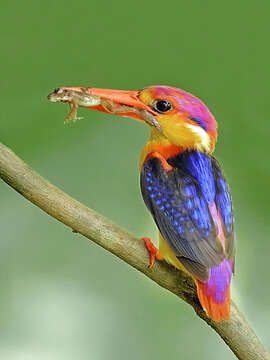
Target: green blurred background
61	296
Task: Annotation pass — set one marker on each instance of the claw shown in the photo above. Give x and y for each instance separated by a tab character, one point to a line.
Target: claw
153	251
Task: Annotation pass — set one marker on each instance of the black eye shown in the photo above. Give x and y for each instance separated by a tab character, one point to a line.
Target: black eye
58	91
162	106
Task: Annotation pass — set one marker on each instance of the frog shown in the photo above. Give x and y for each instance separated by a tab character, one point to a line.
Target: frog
74	99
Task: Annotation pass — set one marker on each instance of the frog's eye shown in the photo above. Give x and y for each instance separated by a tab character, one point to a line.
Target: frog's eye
58	91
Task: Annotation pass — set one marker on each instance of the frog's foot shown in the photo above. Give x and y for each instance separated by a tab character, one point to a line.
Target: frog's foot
72	116
72	119
153	251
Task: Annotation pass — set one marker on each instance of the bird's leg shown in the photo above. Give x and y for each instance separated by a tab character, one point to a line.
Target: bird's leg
153	251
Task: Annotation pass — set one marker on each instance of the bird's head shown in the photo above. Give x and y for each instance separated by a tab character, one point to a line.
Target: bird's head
173	115
183	119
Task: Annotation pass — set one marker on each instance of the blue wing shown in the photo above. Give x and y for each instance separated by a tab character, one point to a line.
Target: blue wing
179	201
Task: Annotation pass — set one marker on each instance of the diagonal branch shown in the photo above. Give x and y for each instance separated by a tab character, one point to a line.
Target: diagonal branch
236	332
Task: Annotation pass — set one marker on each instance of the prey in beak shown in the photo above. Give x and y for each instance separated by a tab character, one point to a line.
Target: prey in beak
74	99
119	102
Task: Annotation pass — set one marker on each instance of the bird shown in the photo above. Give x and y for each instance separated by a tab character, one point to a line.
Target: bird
182	184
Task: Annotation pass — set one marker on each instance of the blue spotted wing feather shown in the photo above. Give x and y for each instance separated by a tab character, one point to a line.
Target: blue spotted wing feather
179	201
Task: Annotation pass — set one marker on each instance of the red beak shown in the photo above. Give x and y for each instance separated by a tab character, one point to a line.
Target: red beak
121	97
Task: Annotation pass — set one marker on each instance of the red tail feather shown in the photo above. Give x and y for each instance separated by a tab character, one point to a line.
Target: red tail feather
216	311
214	295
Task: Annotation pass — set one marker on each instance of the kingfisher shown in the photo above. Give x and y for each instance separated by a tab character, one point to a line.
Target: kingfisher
182	184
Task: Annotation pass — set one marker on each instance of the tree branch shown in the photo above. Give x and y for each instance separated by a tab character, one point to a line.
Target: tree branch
236	332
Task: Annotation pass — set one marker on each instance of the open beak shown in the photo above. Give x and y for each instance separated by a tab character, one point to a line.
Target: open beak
119	102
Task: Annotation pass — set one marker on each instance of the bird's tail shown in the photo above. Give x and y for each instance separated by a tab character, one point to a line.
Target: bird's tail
214	295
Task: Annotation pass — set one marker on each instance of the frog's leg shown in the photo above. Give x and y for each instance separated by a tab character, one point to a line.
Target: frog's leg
72	116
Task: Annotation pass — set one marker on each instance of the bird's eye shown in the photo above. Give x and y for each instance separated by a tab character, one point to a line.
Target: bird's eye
162	106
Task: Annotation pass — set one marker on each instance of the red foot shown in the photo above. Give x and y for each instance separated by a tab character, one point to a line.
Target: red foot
153	251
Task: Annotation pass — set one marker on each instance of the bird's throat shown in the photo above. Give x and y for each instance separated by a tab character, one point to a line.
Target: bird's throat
161	146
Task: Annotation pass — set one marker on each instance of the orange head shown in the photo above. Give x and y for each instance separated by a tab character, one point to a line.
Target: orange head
184	119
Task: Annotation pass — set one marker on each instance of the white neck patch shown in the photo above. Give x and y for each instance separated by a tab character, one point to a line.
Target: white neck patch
204	137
